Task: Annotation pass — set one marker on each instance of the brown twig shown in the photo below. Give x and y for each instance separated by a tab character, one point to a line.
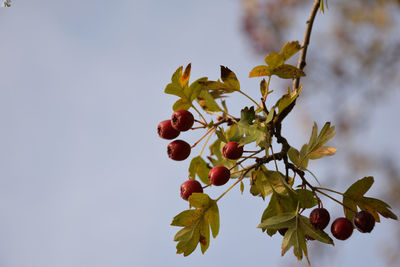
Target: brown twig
303	54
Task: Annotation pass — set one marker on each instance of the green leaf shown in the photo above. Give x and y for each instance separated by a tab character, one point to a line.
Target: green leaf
295	236
229	78
265	182
186	75
286	71
195	88
315	148
275	63
179	86
321	6
229	82
314	232
253	130
247	115
199	166
354	196
221	134
204	239
278	204
274	60
259	71
199	200
287	99
290	49
196	224
263	87
212	215
233	133
306	198
186	218
284	220
294	156
181	104
207	101
241	187
322	151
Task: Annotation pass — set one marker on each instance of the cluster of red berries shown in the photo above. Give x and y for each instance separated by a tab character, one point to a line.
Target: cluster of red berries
182	120
341	228
219	175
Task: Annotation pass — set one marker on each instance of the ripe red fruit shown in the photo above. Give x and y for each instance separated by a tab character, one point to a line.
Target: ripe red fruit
182	120
166	131
364	221
319	218
232	150
189	187
178	150
219	175
342	228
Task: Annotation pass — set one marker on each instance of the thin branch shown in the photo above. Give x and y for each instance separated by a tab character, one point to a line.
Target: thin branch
302	60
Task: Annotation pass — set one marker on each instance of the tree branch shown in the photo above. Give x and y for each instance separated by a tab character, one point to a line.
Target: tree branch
302	60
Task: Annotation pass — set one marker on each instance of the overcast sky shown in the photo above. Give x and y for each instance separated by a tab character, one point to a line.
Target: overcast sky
84	179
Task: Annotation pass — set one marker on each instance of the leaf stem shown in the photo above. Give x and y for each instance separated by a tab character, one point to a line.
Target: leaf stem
334	199
201	138
327	189
273	155
243	93
238	181
245	158
204	120
267	91
206	142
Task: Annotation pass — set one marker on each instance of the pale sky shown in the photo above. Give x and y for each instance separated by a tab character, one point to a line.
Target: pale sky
84	179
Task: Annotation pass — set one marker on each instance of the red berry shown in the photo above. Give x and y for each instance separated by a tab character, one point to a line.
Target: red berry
189	187
232	150
319	217
364	221
219	175
283	231
166	131
342	228
178	150
182	120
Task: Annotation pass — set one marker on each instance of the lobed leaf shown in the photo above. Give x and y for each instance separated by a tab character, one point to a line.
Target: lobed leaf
260	71
198	166
354	196
315	148
286	71
196	224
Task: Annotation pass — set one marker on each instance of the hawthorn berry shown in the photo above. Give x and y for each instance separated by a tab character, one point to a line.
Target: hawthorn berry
232	150
219	175
342	228
182	120
178	150
364	221
319	218
190	186
166	131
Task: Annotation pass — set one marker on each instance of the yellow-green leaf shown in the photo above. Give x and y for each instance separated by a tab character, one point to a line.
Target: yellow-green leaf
186	75
286	71
259	71
322	152
354	196
289	49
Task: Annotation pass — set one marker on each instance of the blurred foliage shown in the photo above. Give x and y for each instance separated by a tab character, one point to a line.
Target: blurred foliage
354	62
